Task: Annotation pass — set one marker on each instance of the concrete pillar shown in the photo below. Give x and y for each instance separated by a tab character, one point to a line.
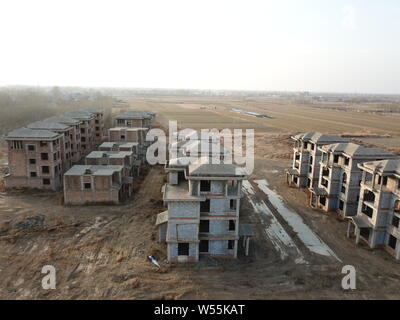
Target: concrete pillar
247	245
357	235
349	228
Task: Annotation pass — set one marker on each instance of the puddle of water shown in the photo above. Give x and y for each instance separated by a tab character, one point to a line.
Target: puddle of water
306	235
275	232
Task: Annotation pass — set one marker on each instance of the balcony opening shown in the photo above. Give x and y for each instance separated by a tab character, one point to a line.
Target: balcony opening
346	161
392	242
325	172
396	206
341	205
367	210
183	249
311	160
369	196
325	183
205	206
309	182
343	189
344	178
336	158
364	233
395	221
322	200
297	156
231	244
203	246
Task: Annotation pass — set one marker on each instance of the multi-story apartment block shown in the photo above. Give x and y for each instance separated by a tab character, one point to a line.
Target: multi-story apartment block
122	158
96	184
75	136
138	135
134	119
306	159
378	217
66	133
339	179
34	159
203	210
99	127
120	146
86	128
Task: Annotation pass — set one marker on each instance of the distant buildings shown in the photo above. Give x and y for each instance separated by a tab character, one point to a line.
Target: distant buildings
306	158
34	159
46	154
377	222
358	183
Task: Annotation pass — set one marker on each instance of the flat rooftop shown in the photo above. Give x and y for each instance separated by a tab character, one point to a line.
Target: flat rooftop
48	125
27	133
95	170
63	119
179	192
216	170
128	129
109	154
118	144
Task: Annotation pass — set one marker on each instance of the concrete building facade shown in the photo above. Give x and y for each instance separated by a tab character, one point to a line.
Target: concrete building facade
203	211
134	119
96	184
338	187
306	158
34	159
377	222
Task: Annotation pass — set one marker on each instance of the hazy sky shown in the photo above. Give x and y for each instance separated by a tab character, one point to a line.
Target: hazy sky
321	45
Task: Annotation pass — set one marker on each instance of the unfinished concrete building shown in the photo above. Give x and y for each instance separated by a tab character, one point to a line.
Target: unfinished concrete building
66	133
96	184
99	127
34	159
306	158
203	211
134	119
120	146
75	136
138	135
86	127
339	179
127	159
377	222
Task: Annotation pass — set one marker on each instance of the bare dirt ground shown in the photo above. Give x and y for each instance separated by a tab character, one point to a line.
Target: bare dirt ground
100	252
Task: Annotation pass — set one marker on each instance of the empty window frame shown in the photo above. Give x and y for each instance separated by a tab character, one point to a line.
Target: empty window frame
87	185
232	225
231	244
205	185
44	156
204	246
31	147
205	206
183	249
204	226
